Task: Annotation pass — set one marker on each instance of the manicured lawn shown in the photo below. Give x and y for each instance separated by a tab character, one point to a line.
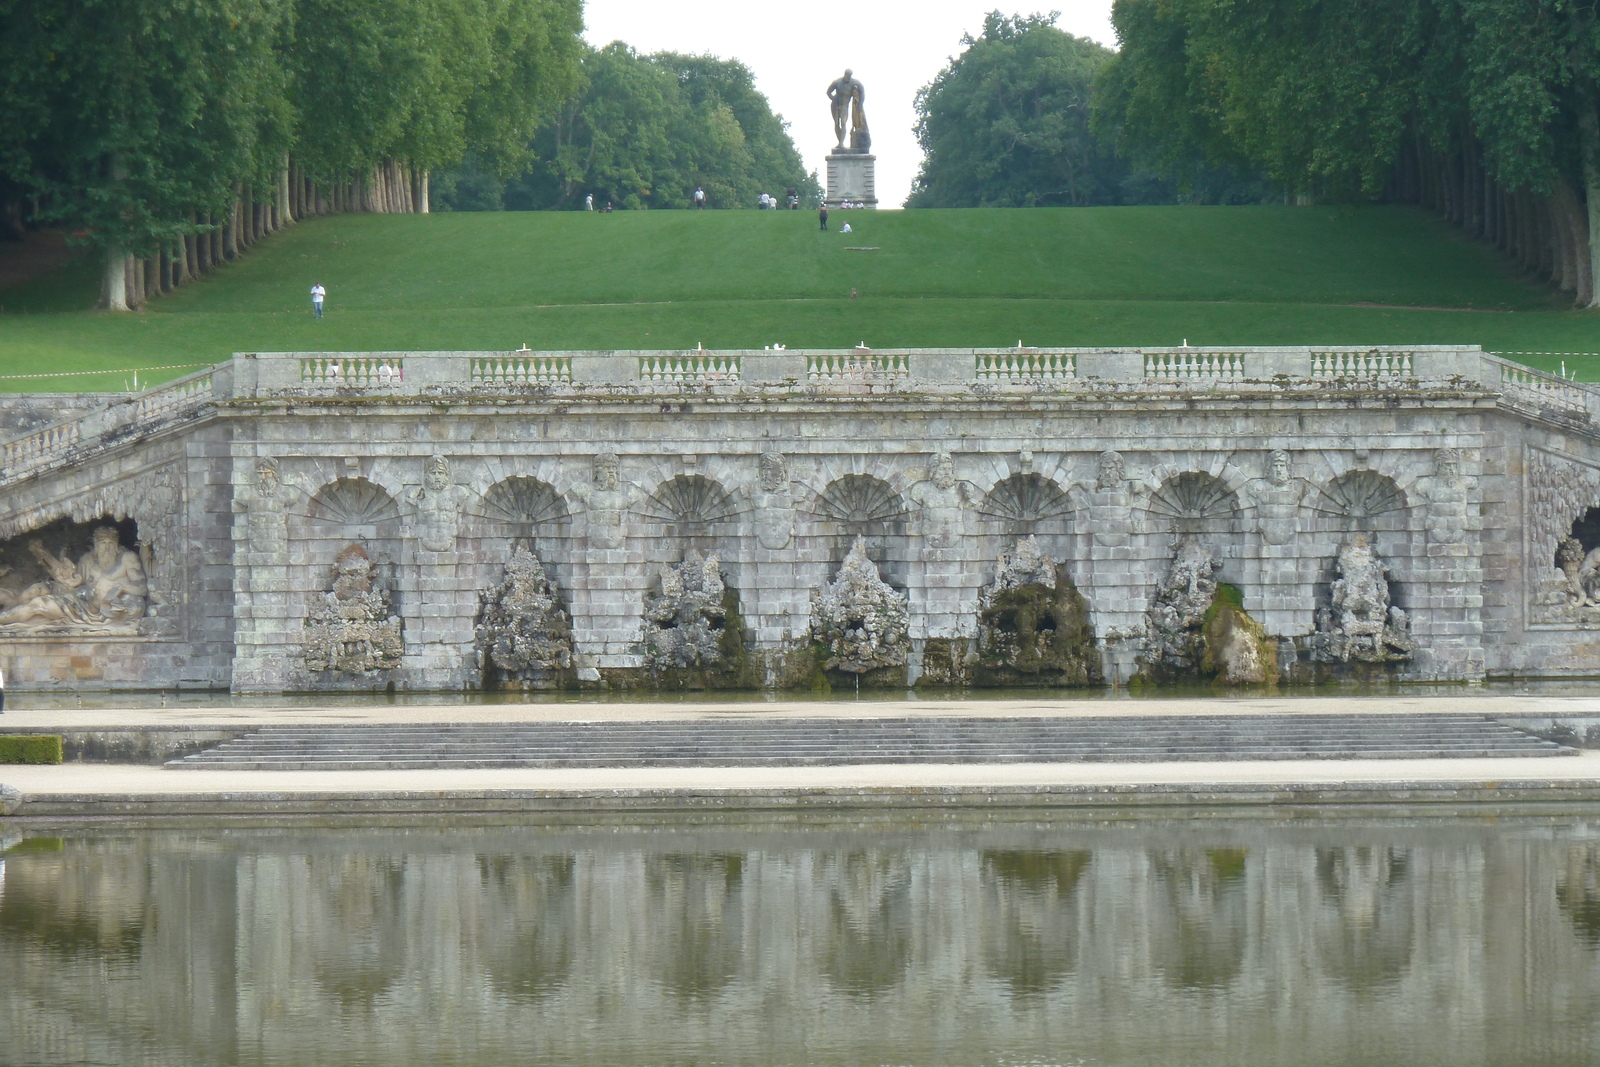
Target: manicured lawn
1113	276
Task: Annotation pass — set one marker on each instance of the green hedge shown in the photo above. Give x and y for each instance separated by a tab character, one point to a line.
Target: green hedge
30	748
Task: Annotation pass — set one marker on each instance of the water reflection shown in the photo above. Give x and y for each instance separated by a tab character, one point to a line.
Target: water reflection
869	919
1424	941
1366	928
1029	901
1579	891
528	913
1199	916
695	907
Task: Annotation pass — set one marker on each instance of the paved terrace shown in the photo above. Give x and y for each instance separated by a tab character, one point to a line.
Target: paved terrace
78	791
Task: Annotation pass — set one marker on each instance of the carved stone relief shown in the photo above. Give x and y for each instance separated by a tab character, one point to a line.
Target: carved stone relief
774	505
155	501
1110	502
1444	495
1560	491
859	620
1277	499
1176	616
684	623
438	507
524	633
351	628
1361	623
103	591
264	505
943	500
606	502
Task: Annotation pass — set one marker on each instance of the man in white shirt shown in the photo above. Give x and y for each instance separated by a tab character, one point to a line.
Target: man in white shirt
318	293
588	202
699	198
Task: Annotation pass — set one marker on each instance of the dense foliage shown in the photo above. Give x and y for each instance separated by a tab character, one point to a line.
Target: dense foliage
644	131
170	132
1483	109
1007	124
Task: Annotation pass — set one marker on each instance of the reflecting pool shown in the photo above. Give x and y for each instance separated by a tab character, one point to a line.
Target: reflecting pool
1411	939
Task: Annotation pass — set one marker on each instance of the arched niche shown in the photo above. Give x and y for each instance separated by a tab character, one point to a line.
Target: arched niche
1026	505
694	510
860	505
524	504
341	513
1362	501
520	510
1194	502
353	505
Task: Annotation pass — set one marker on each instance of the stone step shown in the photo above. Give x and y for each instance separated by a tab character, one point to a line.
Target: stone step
838	742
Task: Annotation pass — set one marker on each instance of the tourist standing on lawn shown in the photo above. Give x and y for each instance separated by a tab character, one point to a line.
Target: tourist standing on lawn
318	293
588	202
699	198
822	216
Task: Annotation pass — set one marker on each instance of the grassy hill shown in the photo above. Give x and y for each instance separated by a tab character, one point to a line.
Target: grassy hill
1072	276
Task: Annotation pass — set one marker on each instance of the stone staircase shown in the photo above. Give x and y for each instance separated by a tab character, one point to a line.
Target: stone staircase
821	742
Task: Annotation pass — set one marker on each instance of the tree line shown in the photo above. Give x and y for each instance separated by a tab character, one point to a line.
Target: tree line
1487	111
1009	122
644	131
171	134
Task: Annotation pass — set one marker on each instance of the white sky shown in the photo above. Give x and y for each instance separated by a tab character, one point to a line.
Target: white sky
894	46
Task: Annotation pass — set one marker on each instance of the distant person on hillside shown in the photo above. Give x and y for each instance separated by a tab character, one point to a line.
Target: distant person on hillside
608	207
845	228
822	216
699	198
318	294
588	202
794	199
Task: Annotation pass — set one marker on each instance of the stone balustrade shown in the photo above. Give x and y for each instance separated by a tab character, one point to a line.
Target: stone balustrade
267	374
401	374
36	450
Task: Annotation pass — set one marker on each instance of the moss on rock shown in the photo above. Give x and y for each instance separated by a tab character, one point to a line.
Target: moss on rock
946	663
1235	650
1032	635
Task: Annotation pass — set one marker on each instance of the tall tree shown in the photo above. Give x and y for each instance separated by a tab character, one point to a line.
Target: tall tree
1483	109
133	115
644	130
1007	122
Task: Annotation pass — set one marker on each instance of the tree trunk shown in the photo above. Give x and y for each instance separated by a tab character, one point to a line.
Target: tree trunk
230	240
202	247
1473	167
114	284
1570	218
285	214
1589	148
1485	202
420	190
135	275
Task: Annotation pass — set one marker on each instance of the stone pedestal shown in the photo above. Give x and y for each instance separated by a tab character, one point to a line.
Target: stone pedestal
852	177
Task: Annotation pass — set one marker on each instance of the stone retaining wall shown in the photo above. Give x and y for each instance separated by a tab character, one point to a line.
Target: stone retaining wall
249	484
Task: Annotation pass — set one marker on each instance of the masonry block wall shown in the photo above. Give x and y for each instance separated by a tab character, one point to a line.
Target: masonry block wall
244	499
